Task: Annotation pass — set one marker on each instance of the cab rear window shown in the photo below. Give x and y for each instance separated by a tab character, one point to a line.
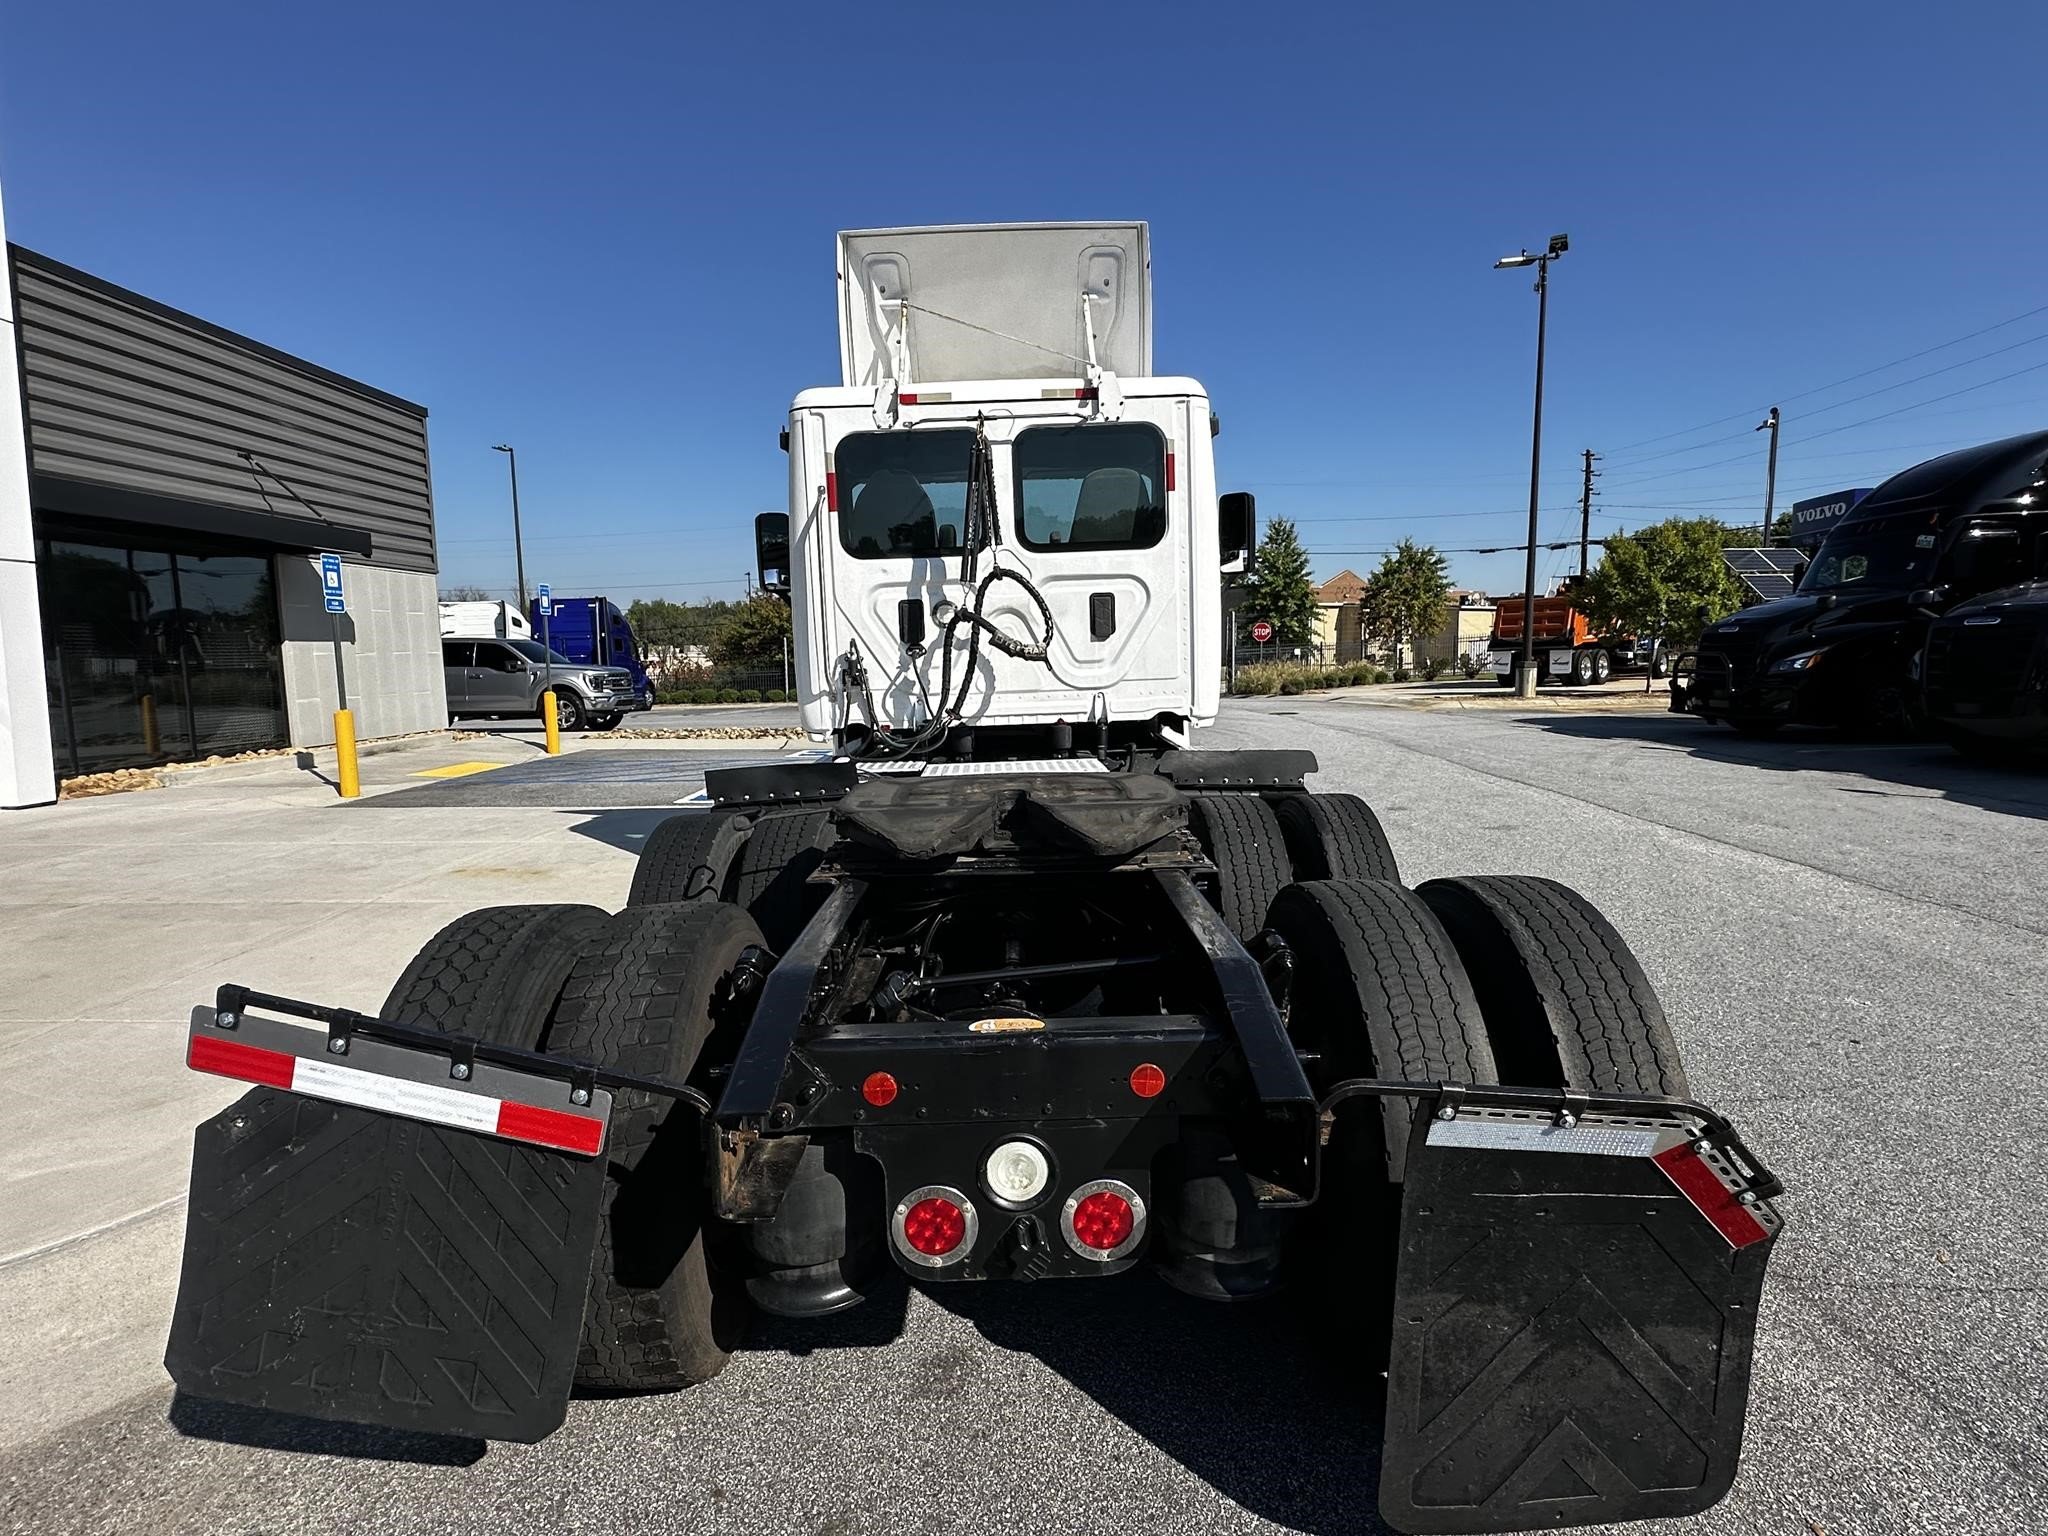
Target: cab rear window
902	494
1090	487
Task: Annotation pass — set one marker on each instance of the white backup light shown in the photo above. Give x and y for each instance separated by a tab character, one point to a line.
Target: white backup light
1016	1172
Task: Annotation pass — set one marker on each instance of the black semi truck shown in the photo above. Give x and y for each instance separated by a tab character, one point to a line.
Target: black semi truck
1845	649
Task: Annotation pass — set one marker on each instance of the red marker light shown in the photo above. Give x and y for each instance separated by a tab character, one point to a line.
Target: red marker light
879	1088
1103	1221
831	490
1147	1081
934	1226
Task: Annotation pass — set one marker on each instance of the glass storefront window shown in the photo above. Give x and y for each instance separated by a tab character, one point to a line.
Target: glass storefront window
155	656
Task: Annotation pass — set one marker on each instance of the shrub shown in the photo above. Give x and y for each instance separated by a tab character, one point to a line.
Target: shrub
777	696
1470	664
750	696
1291	687
728	696
1432	668
1402	675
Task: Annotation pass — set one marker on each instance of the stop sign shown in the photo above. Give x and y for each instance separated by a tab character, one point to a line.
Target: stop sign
1262	633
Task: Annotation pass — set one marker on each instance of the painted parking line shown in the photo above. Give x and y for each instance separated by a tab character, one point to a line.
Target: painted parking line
455	770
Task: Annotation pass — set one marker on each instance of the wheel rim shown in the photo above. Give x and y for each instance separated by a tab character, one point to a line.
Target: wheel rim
568	712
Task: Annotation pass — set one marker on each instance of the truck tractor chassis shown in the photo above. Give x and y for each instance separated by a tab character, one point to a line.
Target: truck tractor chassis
1052	1019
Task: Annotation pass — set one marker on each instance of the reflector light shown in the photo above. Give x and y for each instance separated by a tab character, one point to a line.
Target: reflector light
934	1226
1017	1171
1147	1080
1710	1197
319	1079
879	1088
1169	471
1103	1220
831	490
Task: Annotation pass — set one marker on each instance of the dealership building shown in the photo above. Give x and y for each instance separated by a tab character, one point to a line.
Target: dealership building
167	488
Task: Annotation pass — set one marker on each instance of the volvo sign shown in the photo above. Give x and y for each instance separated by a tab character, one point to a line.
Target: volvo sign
1812	518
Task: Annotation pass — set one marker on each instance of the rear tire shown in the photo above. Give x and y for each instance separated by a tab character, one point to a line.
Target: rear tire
494	974
772	875
1566	1002
1582	668
651	995
1378	992
688	858
1334	837
1242	837
1507	682
1603	667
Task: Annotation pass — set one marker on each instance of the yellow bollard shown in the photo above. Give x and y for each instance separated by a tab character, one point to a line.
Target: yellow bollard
552	725
152	743
345	753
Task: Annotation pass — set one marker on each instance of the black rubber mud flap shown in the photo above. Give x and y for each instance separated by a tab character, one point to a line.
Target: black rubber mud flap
352	1265
1573	1318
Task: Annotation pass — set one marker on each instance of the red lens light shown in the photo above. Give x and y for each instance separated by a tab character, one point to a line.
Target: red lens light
934	1226
879	1088
1147	1081
1103	1220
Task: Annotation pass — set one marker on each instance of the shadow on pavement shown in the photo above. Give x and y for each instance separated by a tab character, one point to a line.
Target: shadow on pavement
232	1424
627	829
1909	764
1238	1394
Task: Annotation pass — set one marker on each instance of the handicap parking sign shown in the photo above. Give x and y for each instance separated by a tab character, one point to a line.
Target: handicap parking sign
330	583
546	597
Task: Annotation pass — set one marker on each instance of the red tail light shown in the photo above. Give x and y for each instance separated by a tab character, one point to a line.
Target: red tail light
1103	1219
935	1226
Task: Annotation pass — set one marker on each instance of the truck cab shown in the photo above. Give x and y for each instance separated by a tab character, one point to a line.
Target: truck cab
1001	519
592	631
1845	648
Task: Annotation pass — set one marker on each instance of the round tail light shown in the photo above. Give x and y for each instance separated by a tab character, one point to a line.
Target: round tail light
934	1226
1103	1219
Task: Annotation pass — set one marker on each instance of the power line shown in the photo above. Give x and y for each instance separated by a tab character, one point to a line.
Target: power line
1822	389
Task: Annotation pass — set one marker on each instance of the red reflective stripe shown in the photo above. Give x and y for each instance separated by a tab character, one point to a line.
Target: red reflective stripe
1714	1200
231	1058
550	1127
1169	471
831	490
908	399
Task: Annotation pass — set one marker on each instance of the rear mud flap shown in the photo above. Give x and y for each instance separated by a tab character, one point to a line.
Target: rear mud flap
1573	1316
353	1265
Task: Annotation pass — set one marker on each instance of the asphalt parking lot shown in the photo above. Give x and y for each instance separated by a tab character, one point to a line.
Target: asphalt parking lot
1848	939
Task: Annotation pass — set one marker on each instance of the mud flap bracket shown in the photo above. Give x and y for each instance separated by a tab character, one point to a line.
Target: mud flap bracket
1574	1311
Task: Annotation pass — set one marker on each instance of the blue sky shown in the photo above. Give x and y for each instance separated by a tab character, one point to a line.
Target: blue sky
604	233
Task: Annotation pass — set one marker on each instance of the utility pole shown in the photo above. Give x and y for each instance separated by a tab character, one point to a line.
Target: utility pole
1770	475
1586	510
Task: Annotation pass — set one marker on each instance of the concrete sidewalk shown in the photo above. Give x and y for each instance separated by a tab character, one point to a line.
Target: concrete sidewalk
123	913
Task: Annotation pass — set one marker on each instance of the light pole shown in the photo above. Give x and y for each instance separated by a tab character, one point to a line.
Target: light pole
1559	244
518	548
1771	474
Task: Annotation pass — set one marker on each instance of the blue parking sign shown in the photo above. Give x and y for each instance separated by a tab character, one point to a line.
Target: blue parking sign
330	583
546	600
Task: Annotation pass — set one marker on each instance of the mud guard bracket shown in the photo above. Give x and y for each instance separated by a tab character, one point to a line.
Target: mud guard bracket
1574	1311
359	1266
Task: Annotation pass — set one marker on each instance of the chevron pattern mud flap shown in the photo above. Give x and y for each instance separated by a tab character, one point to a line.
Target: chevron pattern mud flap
354	1265
1573	1316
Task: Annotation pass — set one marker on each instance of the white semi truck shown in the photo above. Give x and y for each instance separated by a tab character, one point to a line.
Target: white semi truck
1014	984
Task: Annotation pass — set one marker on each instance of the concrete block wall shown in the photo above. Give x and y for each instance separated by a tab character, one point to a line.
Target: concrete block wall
391	651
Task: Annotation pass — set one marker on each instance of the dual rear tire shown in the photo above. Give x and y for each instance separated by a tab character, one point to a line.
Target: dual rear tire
760	860
650	991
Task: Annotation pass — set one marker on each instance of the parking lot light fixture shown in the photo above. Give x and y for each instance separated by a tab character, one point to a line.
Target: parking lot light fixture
1559	244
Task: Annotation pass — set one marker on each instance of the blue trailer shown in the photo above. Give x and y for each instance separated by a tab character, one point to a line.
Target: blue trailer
594	631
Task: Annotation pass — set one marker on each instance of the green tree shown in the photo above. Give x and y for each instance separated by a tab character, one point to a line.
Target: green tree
751	630
658	621
1667	579
1280	591
1406	597
465	594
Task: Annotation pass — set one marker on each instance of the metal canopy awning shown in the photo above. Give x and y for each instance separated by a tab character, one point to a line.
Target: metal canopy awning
278	530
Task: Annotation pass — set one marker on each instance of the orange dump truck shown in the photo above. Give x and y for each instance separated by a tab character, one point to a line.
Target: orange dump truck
1568	650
